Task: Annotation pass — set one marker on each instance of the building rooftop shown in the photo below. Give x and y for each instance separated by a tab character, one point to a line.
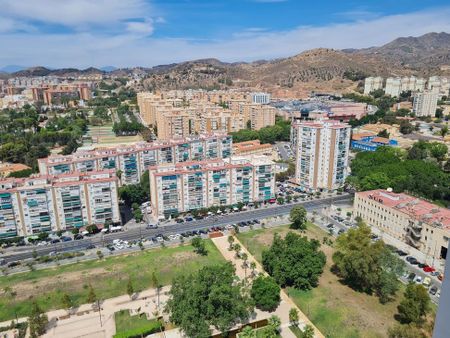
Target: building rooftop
414	207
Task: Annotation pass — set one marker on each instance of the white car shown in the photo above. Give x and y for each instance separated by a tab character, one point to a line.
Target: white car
418	280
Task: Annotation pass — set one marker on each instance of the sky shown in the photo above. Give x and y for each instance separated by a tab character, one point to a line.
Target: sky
128	33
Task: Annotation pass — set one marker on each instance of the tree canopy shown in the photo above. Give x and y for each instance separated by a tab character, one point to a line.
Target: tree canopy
281	131
266	293
365	265
208	297
391	167
298	217
415	304
294	261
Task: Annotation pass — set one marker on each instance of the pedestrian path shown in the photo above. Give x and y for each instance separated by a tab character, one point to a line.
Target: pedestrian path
286	303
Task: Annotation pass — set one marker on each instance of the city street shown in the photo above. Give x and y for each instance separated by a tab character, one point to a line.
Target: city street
140	232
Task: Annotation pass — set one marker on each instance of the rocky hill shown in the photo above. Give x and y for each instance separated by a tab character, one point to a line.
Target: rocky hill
318	69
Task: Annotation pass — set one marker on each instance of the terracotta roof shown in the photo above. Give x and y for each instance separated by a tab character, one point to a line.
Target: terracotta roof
414	207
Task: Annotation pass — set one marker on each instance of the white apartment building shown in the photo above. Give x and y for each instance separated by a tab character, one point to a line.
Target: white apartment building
439	85
372	83
50	203
181	187
260	98
321	149
425	103
416	222
131	161
393	86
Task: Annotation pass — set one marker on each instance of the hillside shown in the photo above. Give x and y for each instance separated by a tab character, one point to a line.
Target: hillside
313	70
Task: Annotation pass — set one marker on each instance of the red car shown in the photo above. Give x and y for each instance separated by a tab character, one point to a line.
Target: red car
428	268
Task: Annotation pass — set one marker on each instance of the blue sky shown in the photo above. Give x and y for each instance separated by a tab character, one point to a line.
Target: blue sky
83	33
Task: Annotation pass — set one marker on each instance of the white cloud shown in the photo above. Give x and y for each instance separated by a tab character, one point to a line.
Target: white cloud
132	49
141	28
74	13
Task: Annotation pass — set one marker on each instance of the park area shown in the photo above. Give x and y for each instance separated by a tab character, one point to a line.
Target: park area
108	277
336	310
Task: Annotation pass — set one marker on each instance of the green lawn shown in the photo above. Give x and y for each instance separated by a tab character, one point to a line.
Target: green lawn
108	277
296	330
336	310
125	322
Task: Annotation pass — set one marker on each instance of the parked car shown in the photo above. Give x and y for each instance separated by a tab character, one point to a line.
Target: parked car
426	282
78	236
401	253
421	265
90	246
418	280
428	268
433	290
66	239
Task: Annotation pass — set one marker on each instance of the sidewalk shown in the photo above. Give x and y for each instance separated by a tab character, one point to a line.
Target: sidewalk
286	303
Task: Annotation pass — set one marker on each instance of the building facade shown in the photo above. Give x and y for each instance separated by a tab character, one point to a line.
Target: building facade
370	142
416	222
51	203
182	187
425	103
133	160
321	149
372	83
260	98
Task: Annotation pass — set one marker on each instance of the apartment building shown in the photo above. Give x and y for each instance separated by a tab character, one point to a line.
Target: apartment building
425	103
439	85
183	113
181	187
131	161
372	83
393	86
416	222
321	149
63	202
260	98
57	94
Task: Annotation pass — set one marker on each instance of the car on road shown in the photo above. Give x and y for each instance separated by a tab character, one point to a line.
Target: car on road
188	219
179	220
56	240
66	239
428	268
151	226
426	282
90	246
78	237
401	253
13	264
433	290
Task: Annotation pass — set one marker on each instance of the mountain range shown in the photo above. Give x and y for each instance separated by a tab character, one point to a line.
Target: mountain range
316	69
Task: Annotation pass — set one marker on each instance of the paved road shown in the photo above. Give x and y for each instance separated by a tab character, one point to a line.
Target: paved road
141	232
283	151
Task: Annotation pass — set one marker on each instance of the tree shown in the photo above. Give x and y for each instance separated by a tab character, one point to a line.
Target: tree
92	229
293	316
439	113
294	261
208	297
266	293
43	236
66	301
405	331
130	288
406	127
99	254
247	332
37	321
366	266
199	246
253	267
444	131
237	248
156	284
415	305
280	200
384	133
273	327
308	331
438	150
298	218
230	242
91	297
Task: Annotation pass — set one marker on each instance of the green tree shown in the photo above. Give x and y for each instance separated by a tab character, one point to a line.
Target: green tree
406	127
199	246
266	293
415	305
66	301
273	327
366	266
375	180
130	288
230	242
208	297
247	332
298	218
91	297
157	285
444	131
293	316
308	331
37	321
438	150
294	261
384	133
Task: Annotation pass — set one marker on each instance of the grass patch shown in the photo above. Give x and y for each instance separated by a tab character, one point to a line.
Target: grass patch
126	323
336	310
296	331
108	277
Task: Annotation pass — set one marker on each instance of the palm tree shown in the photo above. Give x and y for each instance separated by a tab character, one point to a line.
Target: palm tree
230	241
253	267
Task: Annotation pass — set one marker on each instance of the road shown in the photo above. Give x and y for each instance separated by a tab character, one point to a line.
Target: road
283	151
141	232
